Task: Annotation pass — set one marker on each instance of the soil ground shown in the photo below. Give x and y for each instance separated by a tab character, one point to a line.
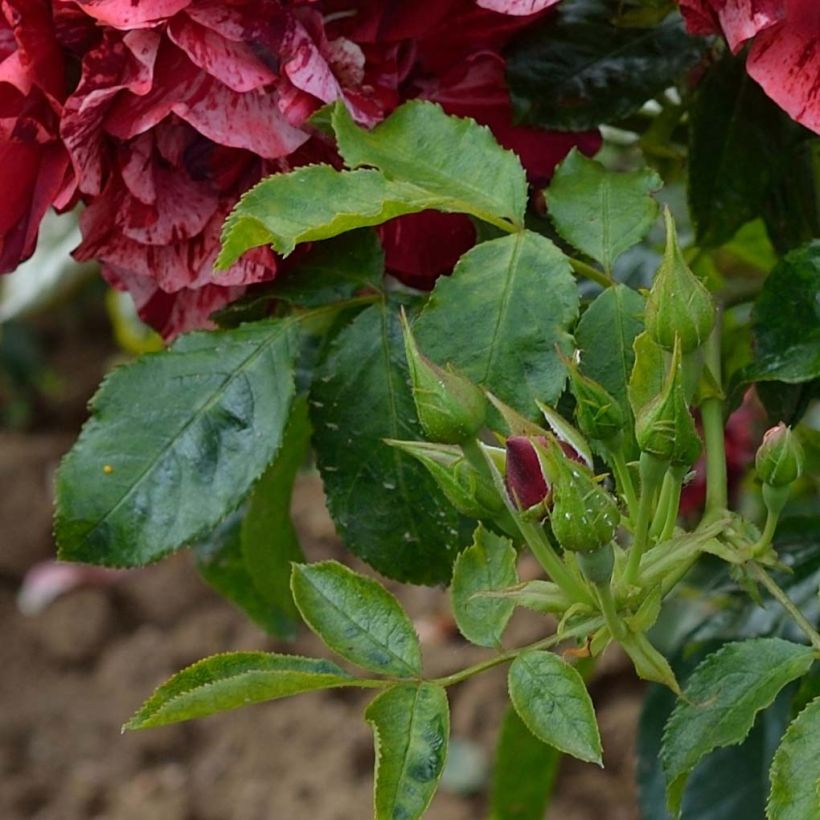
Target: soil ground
73	673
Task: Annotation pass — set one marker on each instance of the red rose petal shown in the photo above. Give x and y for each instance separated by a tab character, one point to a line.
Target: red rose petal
132	14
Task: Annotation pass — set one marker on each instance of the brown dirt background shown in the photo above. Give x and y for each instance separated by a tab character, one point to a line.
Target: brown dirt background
70	676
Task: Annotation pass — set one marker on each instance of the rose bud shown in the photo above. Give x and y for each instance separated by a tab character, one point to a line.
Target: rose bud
597	413
665	427
779	459
678	303
525	476
451	409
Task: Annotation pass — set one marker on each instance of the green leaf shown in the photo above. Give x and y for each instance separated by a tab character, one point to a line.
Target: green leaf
334	270
357	618
268	538
648	372
411	728
235	679
221	563
360	397
525	772
731	128
311	203
721	700
537	595
552	700
605	336
489	564
175	442
455	161
786	327
795	773
601	212
499	317
576	70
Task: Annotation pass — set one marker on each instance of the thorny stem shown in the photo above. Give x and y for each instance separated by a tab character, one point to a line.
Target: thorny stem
783	599
582	629
711	412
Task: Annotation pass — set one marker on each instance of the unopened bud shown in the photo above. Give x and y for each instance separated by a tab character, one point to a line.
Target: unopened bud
451	408
779	459
678	304
665	427
597	413
525	475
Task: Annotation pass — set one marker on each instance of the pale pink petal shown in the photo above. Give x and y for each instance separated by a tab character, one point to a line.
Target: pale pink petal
518	8
786	62
48	580
132	14
234	64
740	20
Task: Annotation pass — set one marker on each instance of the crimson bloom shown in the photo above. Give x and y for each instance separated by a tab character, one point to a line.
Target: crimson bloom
784	57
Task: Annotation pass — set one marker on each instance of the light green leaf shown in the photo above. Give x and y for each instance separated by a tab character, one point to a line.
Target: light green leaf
411	729
601	212
175	441
268	538
356	617
539	596
499	317
722	699
648	372
489	564
235	679
454	160
795	773
359	397
524	774
311	203
552	700
605	336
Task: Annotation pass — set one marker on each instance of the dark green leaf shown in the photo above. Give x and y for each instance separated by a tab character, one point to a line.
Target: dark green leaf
786	326
576	70
454	161
357	617
552	700
489	564
795	773
411	728
235	679
175	442
499	317
221	563
525	771
601	212
268	539
361	396
722	699
335	270
731	151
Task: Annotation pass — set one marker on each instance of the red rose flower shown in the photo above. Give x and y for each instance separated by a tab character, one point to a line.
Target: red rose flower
784	57
33	161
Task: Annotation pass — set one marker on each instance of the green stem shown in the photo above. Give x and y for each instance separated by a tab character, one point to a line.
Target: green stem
678	474
623	479
541	548
783	599
588	272
662	508
582	629
616	626
765	539
652	471
711	412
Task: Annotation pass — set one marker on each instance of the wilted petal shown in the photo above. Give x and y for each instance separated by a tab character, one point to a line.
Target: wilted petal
131	14
518	8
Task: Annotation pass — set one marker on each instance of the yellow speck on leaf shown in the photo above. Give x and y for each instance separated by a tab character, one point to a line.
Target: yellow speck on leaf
108	469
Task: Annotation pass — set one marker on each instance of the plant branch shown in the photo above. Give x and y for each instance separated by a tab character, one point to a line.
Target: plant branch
589	272
711	412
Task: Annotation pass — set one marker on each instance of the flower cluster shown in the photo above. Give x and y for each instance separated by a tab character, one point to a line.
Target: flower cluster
158	114
784	57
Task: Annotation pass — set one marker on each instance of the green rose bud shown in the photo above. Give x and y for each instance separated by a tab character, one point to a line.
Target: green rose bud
664	427
584	515
451	409
779	459
678	304
465	488
597	565
598	415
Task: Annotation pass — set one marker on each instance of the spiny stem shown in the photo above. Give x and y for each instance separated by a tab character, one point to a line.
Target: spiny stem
583	628
783	599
